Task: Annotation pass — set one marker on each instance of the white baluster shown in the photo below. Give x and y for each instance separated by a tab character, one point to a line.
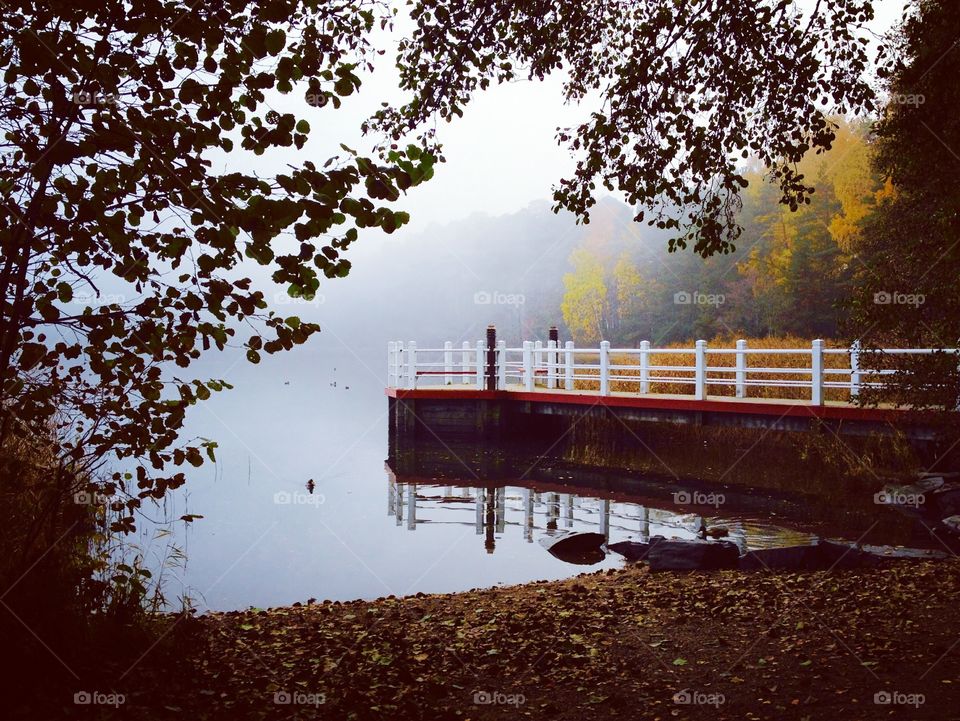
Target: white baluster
700	372
528	365
411	364
537	358
391	353
644	367
741	375
481	349
568	382
855	370
605	368
447	363
816	373
501	364
552	364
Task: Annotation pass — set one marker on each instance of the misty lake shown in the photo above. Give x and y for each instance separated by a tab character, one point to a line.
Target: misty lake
365	531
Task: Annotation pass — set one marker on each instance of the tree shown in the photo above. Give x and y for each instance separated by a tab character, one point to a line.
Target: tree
585	306
122	244
687	90
909	250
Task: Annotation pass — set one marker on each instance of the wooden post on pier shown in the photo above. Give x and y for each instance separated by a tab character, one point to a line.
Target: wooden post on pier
465	361
527	366
700	370
501	364
605	368
855	369
741	373
448	363
644	367
491	358
553	343
411	364
816	373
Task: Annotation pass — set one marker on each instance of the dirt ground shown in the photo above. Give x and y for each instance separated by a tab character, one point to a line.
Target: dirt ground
866	644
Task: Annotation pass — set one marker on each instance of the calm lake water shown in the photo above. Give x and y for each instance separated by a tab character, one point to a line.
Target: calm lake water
320	414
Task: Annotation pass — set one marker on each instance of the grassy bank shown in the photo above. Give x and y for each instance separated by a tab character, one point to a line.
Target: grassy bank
622	644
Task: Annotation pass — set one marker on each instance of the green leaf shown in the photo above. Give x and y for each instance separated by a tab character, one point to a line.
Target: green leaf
275	41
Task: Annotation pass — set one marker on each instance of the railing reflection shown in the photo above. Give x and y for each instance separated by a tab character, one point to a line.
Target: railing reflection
545	513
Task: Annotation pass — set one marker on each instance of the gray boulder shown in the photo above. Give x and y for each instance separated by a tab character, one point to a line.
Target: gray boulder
692	555
583	549
952	523
631	550
946	501
798	558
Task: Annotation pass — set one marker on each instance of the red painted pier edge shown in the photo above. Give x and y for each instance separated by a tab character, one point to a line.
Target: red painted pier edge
779	409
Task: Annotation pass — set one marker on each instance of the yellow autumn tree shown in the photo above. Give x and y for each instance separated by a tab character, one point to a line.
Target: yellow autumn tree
585	305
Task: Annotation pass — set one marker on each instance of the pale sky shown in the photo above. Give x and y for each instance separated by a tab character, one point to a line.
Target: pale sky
501	155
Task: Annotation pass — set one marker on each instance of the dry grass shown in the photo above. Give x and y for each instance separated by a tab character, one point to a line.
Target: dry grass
760	360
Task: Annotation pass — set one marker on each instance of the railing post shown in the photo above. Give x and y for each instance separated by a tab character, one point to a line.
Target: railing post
447	363
552	364
855	369
568	383
741	375
700	371
398	361
528	365
411	364
391	352
491	358
537	358
816	373
605	368
553	356
644	367
481	349
501	364
465	362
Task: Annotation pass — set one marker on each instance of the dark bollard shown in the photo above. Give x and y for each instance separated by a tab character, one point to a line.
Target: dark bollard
491	358
553	356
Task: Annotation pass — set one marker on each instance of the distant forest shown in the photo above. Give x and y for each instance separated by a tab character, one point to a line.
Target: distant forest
791	272
613	279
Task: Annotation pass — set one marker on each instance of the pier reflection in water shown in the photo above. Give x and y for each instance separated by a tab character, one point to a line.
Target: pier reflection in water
524	513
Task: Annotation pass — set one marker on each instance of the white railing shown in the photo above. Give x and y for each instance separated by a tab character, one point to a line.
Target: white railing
555	367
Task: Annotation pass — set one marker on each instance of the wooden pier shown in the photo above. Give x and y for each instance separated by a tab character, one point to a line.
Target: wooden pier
471	389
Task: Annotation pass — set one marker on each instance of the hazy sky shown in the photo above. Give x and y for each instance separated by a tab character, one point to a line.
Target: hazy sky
501	154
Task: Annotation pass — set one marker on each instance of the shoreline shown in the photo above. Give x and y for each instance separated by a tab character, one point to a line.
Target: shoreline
627	643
